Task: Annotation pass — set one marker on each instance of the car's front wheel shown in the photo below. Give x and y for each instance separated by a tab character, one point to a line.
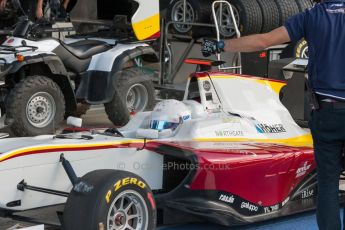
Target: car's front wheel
115	200
35	106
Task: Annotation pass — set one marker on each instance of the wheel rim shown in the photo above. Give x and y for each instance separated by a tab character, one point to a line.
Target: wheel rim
177	16
40	109
137	98
304	53
128	211
226	26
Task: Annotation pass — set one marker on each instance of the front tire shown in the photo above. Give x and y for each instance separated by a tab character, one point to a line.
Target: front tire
35	106
134	92
118	200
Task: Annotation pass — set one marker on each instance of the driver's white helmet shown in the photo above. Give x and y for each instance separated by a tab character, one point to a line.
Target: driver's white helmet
168	114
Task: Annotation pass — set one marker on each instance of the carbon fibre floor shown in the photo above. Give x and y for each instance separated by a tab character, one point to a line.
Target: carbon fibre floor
305	221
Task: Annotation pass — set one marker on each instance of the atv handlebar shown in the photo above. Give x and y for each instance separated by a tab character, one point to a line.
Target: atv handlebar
30	30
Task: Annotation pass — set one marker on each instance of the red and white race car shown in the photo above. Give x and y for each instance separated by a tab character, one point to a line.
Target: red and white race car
230	153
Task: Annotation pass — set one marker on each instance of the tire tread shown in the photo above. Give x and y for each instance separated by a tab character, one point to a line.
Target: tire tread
22	90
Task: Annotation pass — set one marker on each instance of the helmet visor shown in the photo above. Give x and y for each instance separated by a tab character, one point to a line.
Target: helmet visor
161	125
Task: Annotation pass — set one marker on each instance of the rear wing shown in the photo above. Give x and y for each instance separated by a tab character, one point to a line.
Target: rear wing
146	20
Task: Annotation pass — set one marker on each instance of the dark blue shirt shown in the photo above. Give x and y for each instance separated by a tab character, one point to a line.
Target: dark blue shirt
323	27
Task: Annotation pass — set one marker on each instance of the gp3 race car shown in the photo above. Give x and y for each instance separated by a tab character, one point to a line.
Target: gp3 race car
229	153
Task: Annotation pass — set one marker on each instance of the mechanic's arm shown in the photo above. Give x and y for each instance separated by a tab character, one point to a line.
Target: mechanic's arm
2	4
39	9
257	42
65	4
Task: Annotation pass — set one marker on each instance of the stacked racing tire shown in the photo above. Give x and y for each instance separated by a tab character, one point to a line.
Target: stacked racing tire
252	16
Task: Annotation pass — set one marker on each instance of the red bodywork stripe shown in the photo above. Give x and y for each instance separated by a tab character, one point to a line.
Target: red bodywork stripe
132	145
198	62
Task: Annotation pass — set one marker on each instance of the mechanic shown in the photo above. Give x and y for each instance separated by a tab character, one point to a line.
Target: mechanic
323	28
32	8
8	14
60	10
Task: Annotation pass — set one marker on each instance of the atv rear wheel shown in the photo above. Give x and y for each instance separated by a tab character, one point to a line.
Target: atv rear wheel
117	200
35	106
134	92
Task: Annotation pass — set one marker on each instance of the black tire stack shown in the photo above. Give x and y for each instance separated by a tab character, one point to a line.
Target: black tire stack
249	14
255	16
270	15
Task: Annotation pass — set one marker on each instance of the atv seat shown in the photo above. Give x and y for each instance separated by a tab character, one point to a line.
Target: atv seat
85	49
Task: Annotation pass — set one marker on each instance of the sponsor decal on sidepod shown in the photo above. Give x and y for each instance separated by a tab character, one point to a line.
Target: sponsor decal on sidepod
227	199
307	193
250	207
229	133
275	128
303	170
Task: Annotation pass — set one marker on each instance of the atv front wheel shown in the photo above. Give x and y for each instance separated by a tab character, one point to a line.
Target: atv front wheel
115	200
35	106
134	92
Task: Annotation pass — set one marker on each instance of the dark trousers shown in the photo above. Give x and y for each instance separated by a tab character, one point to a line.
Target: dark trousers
327	126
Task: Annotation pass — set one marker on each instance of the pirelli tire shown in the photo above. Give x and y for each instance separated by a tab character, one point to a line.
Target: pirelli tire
301	49
113	200
304	4
134	92
250	17
270	15
35	106
196	11
286	9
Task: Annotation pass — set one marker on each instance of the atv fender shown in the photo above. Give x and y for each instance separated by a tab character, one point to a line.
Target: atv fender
59	75
53	62
97	85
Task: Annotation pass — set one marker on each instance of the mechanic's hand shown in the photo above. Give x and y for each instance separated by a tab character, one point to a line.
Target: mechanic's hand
210	46
39	13
2	5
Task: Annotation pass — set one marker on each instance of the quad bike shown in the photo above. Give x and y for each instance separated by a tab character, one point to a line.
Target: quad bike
44	79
